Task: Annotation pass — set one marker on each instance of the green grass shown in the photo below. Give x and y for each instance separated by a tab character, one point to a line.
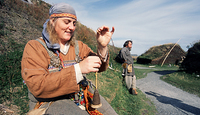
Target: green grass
185	81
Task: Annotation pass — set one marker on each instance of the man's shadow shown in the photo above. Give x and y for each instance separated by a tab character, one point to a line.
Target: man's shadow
175	102
165	72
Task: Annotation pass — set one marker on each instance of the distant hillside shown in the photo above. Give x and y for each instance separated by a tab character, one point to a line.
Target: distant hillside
21	22
156	54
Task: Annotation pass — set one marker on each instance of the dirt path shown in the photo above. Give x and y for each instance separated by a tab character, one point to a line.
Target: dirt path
168	99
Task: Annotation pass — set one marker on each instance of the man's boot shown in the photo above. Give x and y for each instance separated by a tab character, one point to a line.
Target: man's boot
134	92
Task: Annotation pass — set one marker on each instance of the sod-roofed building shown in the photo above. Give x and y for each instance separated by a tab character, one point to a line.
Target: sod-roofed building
166	54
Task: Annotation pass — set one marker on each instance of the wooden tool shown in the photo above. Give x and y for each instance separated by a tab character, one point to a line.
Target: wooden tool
96	97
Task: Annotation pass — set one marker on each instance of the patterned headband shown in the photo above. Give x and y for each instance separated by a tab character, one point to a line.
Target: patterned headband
64	15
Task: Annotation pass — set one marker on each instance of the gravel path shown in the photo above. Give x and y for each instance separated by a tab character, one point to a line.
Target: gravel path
168	99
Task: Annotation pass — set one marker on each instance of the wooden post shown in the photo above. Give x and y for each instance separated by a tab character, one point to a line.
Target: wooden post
170	52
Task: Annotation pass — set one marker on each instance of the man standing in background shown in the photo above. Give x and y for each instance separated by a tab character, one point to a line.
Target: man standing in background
128	70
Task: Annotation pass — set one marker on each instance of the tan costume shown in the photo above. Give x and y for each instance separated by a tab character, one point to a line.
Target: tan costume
43	84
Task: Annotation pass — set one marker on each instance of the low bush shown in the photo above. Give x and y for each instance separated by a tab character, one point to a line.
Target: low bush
191	64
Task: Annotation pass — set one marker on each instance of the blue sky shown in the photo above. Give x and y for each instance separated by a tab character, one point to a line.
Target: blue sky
147	23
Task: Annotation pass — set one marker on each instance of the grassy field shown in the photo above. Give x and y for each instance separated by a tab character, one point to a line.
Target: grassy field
187	82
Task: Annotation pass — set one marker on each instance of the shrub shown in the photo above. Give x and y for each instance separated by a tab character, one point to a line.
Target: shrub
191	63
